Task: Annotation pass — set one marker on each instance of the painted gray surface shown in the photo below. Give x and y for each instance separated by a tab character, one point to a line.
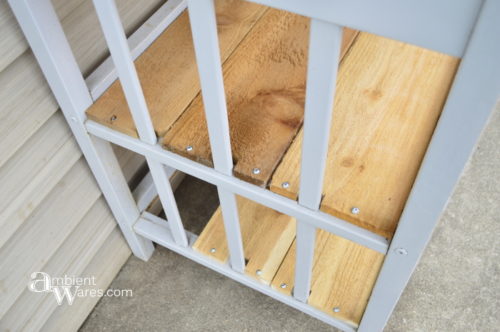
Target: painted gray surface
456	286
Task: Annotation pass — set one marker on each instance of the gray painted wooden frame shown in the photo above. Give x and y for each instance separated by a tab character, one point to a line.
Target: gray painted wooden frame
471	100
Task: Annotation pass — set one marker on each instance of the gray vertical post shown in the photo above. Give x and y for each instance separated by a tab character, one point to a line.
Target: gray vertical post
206	45
324	52
120	52
43	30
471	100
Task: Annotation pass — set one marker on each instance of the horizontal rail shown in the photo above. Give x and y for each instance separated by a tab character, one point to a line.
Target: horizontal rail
262	196
158	231
443	26
102	78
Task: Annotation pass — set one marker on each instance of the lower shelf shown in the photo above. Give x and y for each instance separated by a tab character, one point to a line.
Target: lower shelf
267	236
344	273
343	276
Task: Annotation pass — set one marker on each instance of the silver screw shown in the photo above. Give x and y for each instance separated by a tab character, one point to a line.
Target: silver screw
113	118
258	272
336	309
283	285
355	210
73	119
189	148
213	250
285	185
401	251
256	170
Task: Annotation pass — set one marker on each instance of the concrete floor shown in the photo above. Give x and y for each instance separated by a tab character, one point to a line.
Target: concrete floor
456	286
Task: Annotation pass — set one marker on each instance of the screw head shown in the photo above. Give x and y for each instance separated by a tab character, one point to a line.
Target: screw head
113	118
283	285
189	148
336	309
213	250
285	185
401	251
73	119
256	170
258	272
355	210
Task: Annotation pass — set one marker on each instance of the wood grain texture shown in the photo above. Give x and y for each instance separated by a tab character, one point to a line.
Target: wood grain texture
265	88
389	98
267	236
343	276
167	69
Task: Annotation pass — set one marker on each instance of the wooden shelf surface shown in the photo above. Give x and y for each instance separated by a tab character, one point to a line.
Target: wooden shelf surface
343	274
389	98
265	87
267	235
167	69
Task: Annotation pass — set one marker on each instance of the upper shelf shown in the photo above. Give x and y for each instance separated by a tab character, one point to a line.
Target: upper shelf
167	69
264	81
389	98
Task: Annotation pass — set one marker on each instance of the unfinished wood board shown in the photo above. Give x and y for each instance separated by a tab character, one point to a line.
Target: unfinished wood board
389	98
167	69
343	276
266	233
265	87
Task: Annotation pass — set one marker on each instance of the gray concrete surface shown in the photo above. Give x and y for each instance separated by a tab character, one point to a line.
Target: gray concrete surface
456	286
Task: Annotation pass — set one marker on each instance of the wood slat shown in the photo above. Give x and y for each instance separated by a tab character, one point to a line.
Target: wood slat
267	236
167	69
343	276
389	97
265	88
